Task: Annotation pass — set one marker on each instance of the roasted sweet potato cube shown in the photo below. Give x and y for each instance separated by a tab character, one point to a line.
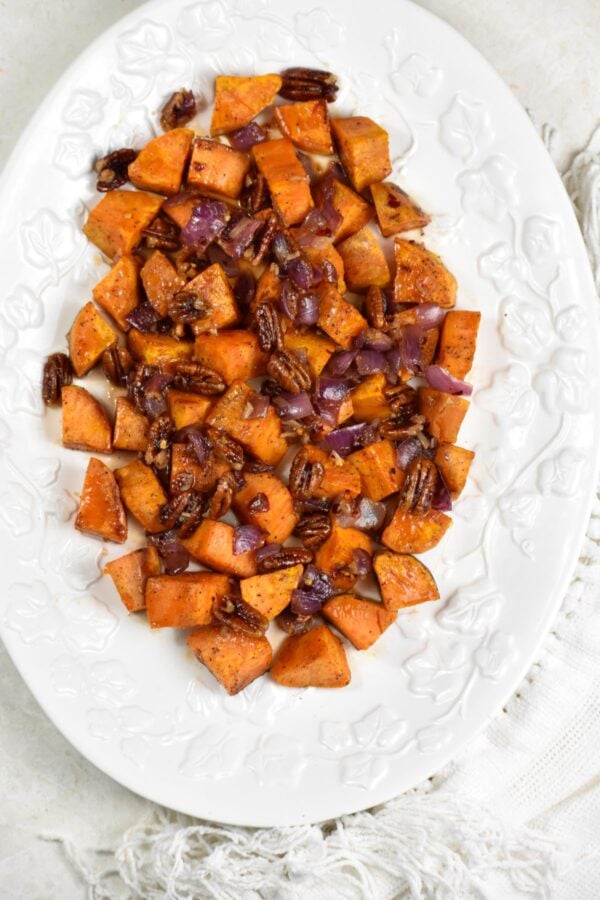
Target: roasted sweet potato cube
118	293
260	437
355	211
364	150
364	261
454	464
179	208
458	341
131	427
187	409
129	574
85	423
361	621
212	287
421	276
271	593
161	164
286	178
116	223
318	348
339	476
268	288
443	413
395	209
234	658
338	318
369	400
142	494
404	580
183	601
161	281
410	533
318	255
239	100
314	659
158	349
378	467
336	555
233	354
306	125
89	337
212	545
217	168
278	519
186	469
101	511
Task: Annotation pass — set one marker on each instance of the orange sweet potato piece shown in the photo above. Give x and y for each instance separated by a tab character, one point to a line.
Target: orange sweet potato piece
161	281
233	354
361	621
131	427
379	472
306	125
454	464
129	574
355	211
403	580
318	348
179	208
286	178
280	519
160	165
314	659
158	349
336	555
217	168
142	494
212	545
268	288
116	223
369	400
421	276
317	255
118	293
458	340
184	463
339	476
395	209
234	658
443	413
364	150
214	289
187	409
410	533
183	601
101	511
89	337
271	593
364	261
85	423
260	437
239	100
338	318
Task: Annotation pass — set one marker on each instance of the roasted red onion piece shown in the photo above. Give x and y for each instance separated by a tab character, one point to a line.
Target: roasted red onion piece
245	138
339	363
266	551
407	450
143	318
440	378
207	222
368	362
247	538
369	516
344	440
293	406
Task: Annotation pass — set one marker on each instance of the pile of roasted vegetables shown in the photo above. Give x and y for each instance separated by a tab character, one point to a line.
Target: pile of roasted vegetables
321	426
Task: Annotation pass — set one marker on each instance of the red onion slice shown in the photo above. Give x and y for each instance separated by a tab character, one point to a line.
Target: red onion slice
442	498
340	362
247	538
411	348
331	390
344	440
369	517
440	378
207	221
373	339
245	138
240	236
174	556
199	444
143	318
293	406
266	551
362	562
429	315
308	310
300	271
407	450
368	362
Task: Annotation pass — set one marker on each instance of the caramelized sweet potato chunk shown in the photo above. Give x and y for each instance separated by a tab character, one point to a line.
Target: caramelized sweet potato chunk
142	494
183	601
161	164
212	545
85	423
318	348
101	511
410	533
158	349
187	409
404	580
395	209
314	659
421	276
260	437
378	468
118	293
355	211
160	281
268	288
339	476
129	574
279	519
116	223
369	400
318	255
336	556
186	468
131	427
287	180
179	208
454	464
361	621
443	413
233	354
364	150
341	321
306	125
364	261
239	100
89	337
271	593
217	168
234	658
212	287
458	341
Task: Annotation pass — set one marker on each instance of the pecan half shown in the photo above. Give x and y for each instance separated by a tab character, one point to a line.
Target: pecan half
306	506
305	475
160	437
255	194
225	447
308	84
239	615
178	110
263	243
403	401
419	486
396	429
220	502
184	512
112	169
161	235
267	325
187	306
294	624
375	307
285	559
58	373
313	530
288	371
116	365
199	379
255	467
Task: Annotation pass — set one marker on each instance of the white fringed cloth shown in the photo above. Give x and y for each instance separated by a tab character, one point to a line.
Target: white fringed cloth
517	815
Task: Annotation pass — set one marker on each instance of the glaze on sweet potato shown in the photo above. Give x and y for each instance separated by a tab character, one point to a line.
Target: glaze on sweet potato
239	100
131	427
306	124
118	293
89	337
142	494
361	621
161	164
280	519
116	223
187	409
458	341
314	659
443	413
179	208
286	178
454	464
129	574
395	210
410	533
234	658
85	422
161	281
335	556
158	349
271	593
213	288
212	545
364	261
327	252
354	211
260	437
235	355
341	321
217	168
378	467
101	511
403	580
339	476
183	601
363	146
185	467
369	400
421	276
268	288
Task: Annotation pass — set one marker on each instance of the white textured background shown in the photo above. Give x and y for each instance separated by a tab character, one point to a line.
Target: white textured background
547	51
